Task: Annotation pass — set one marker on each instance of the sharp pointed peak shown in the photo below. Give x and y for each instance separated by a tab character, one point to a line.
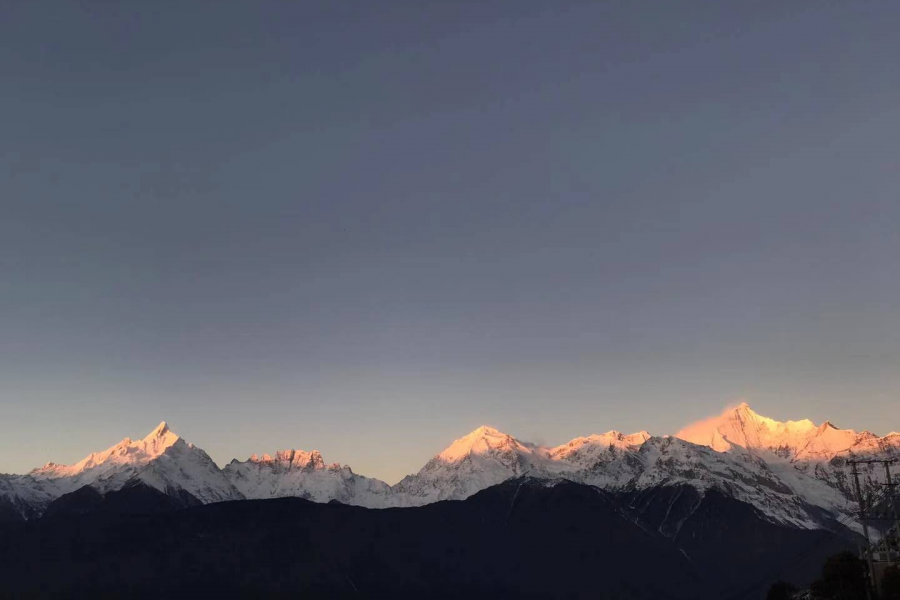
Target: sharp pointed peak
126	452
162	434
743	408
826	426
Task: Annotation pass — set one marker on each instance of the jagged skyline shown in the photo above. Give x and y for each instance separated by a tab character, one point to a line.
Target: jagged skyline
737	426
793	472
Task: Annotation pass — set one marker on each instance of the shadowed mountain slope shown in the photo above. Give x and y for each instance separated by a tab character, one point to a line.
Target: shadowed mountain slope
524	538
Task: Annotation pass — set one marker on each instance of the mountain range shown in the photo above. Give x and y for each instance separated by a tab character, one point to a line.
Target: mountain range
793	473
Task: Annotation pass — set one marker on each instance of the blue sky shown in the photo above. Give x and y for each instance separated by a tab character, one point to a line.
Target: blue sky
370	229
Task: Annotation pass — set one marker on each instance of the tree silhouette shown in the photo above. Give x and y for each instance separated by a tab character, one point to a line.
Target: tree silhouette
843	578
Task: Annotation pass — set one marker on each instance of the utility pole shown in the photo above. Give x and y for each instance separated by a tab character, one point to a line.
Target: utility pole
863	517
890	486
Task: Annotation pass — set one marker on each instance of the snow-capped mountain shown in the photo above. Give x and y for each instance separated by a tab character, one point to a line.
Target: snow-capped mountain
483	458
161	460
793	440
792	472
612	461
186	469
305	475
811	459
111	468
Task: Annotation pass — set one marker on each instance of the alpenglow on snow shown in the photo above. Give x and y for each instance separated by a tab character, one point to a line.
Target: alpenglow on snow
793	472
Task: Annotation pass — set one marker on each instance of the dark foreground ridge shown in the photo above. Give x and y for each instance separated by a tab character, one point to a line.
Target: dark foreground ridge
520	539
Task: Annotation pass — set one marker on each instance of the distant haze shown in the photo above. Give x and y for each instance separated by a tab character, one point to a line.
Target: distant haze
368	228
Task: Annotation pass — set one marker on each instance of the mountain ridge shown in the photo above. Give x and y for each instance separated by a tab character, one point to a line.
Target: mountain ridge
794	472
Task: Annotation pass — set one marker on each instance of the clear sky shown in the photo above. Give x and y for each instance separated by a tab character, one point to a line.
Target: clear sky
370	227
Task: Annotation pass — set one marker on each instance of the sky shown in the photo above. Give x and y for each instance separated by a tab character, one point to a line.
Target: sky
369	228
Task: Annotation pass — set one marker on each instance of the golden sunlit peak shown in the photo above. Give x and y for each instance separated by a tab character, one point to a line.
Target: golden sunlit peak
486	430
801	440
743	408
161	429
161	434
126	452
479	441
292	458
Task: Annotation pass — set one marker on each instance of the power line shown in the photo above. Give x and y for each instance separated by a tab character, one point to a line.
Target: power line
864	510
864	519
800	556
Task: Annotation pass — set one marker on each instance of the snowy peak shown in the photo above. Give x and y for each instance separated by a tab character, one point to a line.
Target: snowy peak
162	430
125	453
184	468
296	473
614	438
292	459
782	468
158	440
798	440
161	460
483	441
592	444
741	426
486	457
483	458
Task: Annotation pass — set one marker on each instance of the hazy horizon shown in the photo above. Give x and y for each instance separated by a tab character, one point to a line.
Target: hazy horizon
369	229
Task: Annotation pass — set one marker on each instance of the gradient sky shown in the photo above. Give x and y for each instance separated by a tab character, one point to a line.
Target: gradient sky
370	227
